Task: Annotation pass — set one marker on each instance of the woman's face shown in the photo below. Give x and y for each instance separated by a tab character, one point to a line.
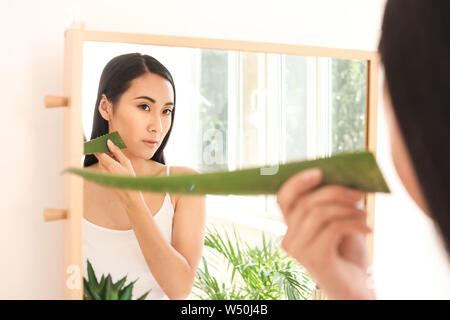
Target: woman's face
143	112
400	155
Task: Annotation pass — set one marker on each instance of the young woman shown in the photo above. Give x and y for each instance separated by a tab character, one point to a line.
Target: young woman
156	239
325	226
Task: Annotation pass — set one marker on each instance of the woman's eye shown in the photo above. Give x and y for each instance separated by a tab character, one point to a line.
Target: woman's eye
170	111
144	105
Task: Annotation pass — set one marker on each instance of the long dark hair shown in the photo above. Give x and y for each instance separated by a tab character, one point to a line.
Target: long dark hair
415	52
115	80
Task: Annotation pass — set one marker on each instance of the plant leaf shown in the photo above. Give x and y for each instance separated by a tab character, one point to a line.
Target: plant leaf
357	170
144	295
265	274
118	285
87	292
108	288
101	286
92	279
125	294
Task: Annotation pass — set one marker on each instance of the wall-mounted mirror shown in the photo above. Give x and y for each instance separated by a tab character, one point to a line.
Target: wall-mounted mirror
238	105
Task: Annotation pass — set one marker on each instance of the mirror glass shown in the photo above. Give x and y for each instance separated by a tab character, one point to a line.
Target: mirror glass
234	110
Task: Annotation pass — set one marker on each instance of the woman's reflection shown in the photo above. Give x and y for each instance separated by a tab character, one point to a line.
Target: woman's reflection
155	238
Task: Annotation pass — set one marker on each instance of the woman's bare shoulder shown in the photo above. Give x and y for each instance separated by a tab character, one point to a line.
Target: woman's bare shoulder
174	170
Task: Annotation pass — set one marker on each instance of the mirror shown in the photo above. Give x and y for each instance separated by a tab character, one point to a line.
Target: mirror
234	109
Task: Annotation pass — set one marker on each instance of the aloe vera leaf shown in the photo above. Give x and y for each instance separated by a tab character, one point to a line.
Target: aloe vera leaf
102	286
93	283
118	285
144	295
88	290
102	280
108	288
114	295
357	170
98	145
126	292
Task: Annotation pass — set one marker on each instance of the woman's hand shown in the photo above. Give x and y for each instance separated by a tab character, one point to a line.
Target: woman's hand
326	234
115	162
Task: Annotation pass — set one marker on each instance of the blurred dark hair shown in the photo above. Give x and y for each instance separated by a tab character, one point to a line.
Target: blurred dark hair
115	80
415	52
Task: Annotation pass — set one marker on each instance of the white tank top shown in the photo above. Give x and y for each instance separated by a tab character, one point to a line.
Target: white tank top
117	252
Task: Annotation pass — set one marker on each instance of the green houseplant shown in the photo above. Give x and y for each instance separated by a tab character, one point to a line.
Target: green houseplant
106	289
254	273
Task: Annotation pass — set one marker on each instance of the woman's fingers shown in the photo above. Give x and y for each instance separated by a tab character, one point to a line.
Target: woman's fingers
331	194
99	158
296	186
106	162
353	248
308	225
118	163
111	160
320	217
316	254
325	195
341	272
325	233
328	240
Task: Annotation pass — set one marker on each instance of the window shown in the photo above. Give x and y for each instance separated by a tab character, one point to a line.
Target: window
348	105
261	109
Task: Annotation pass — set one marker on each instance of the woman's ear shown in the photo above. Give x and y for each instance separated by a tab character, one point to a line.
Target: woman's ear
105	108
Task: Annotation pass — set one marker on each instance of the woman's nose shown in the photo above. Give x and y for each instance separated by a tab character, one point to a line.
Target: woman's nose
155	124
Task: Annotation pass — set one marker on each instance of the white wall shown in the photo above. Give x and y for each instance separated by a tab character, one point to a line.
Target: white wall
32	66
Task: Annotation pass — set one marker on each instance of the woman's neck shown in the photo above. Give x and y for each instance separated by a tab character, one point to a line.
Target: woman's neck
141	167
146	167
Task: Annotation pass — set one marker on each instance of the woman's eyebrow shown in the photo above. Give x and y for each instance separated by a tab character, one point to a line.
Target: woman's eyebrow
146	98
152	100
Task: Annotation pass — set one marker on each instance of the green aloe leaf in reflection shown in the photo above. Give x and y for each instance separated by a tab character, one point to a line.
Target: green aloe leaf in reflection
357	170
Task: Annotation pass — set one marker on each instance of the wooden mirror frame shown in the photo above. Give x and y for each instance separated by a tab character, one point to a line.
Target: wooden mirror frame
72	152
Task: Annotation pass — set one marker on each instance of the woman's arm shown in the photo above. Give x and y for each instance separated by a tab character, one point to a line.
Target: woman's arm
173	266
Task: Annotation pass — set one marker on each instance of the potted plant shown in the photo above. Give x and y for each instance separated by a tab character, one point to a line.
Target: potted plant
106	289
254	273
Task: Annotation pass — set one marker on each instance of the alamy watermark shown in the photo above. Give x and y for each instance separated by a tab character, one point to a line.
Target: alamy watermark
73	281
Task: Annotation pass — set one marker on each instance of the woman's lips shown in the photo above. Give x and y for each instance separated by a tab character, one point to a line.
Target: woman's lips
150	143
